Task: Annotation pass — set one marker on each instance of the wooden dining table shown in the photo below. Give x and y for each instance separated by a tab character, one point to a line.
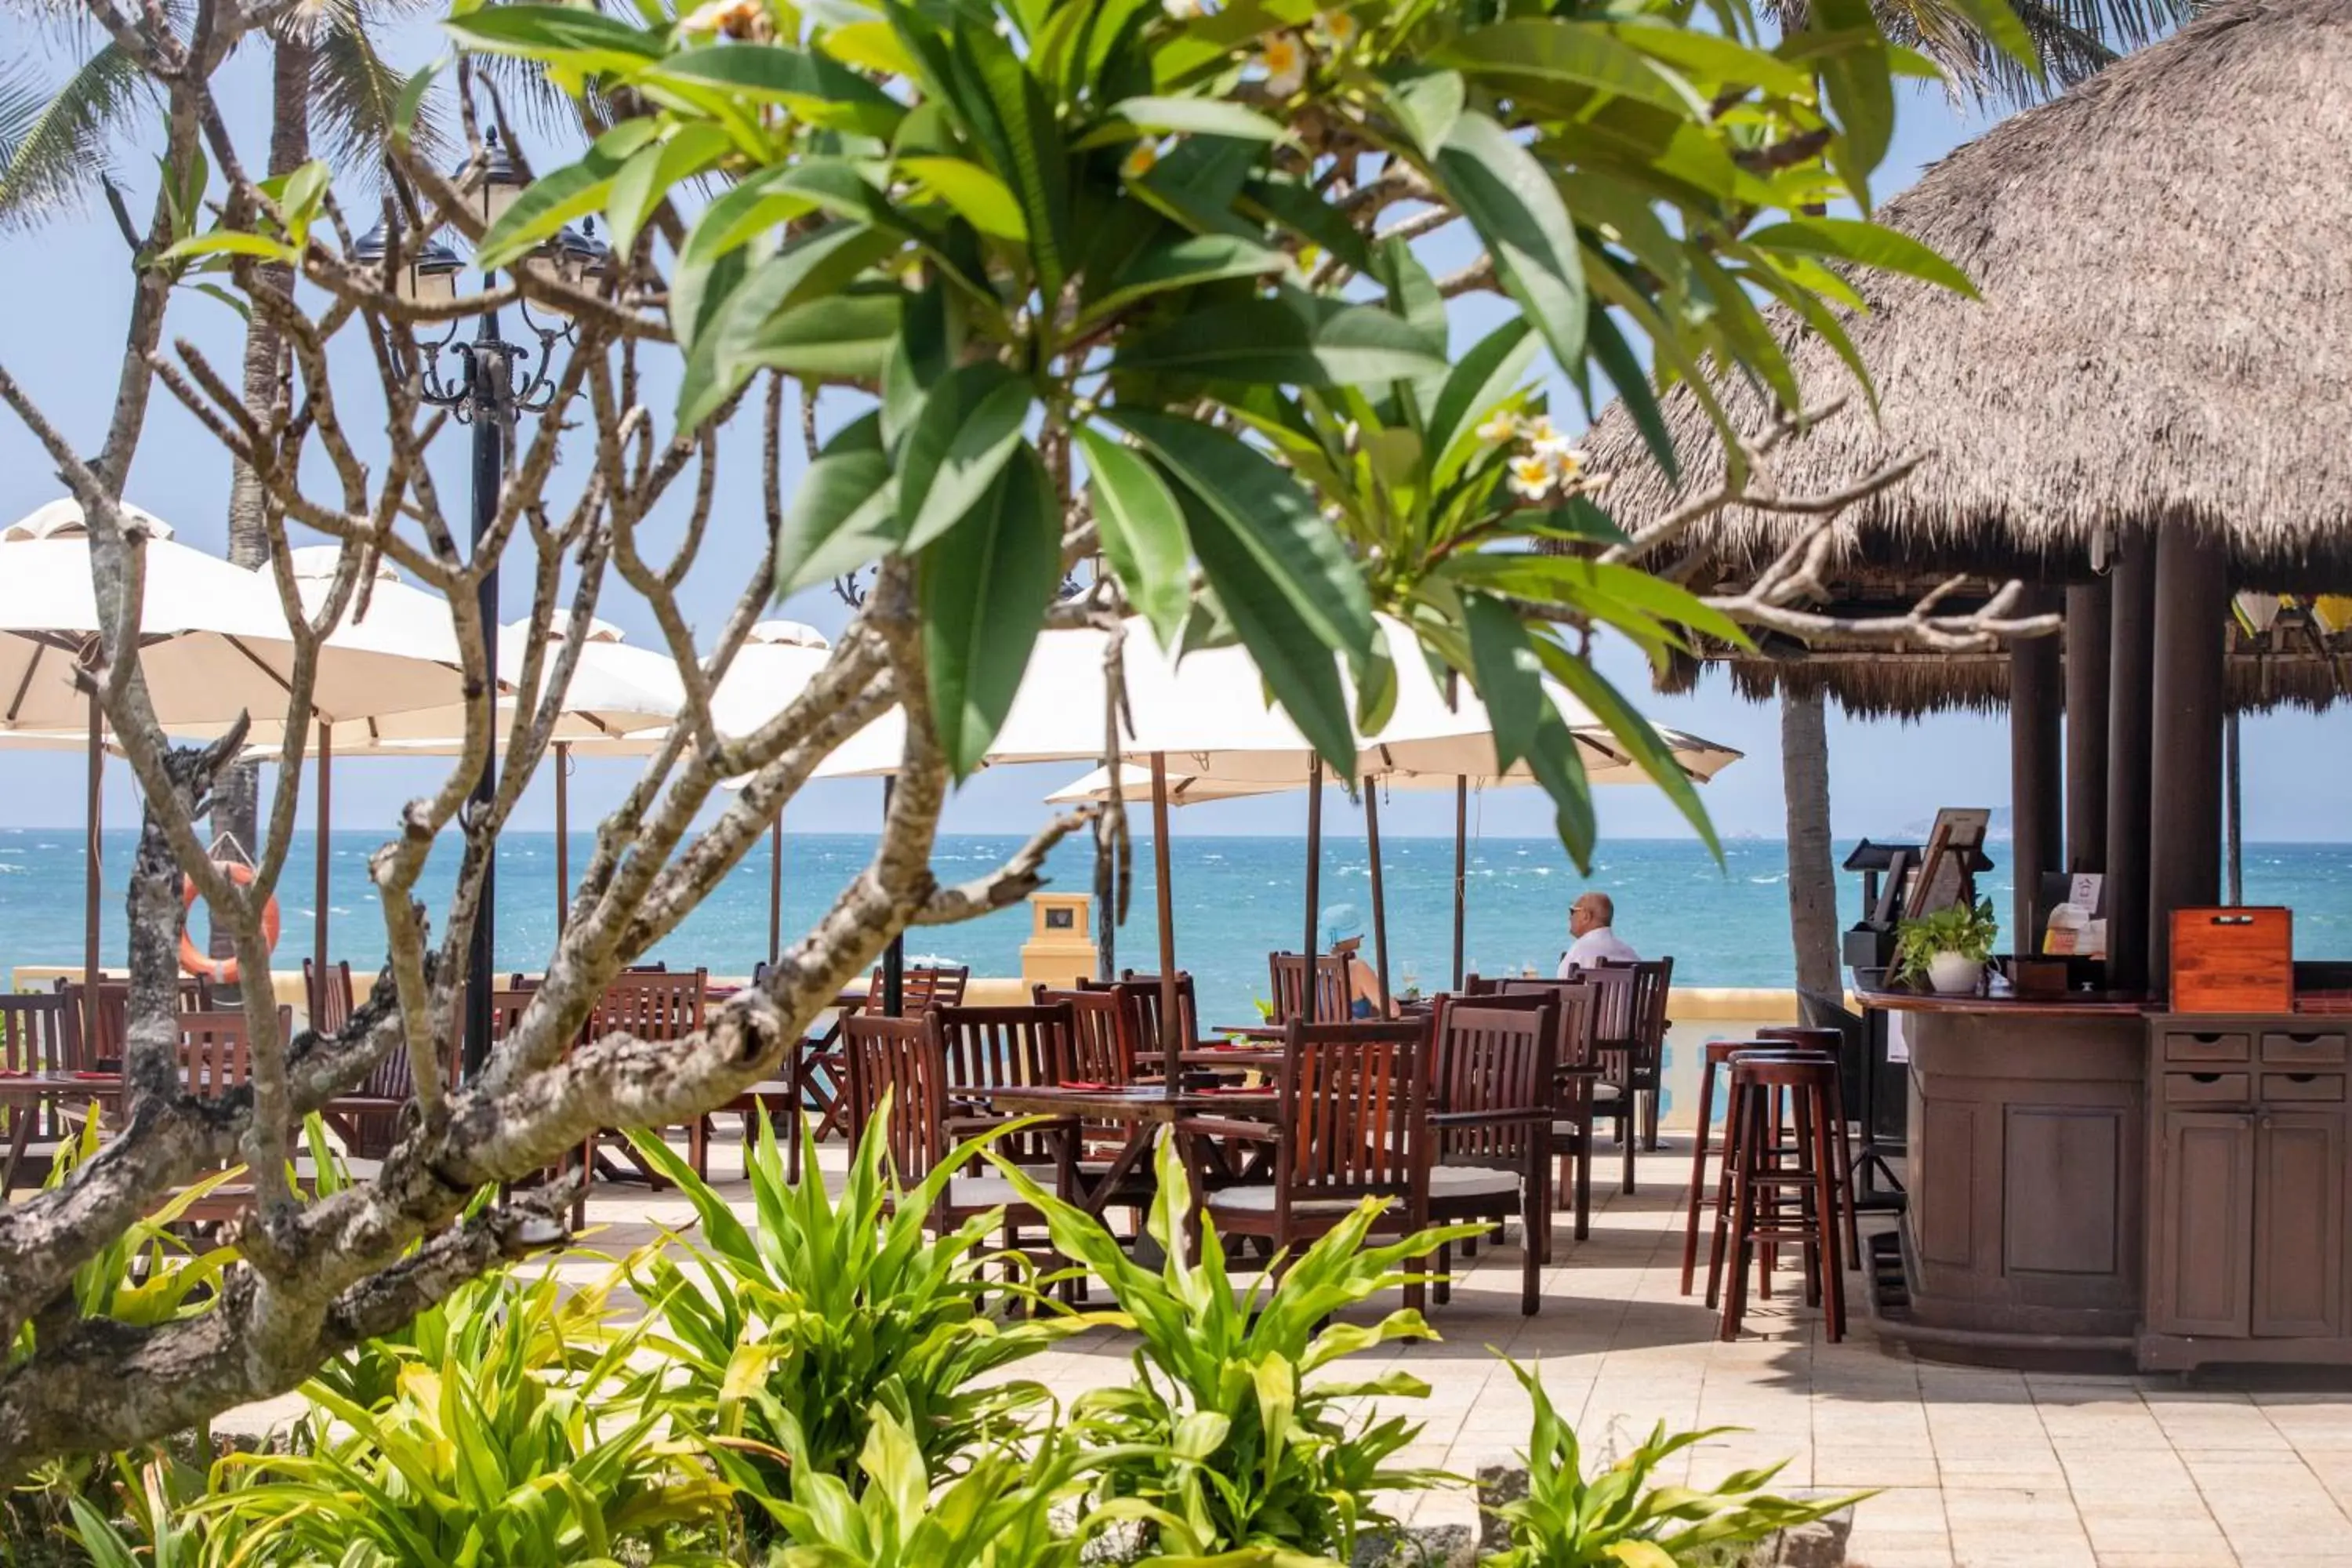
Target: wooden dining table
1145	1107
24	1094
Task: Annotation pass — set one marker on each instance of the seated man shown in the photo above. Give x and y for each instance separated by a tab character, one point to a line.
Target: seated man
1587	924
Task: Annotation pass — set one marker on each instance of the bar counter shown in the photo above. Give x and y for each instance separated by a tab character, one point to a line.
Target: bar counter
2023	1239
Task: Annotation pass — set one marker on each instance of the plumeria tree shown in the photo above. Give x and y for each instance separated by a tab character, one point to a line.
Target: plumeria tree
1259	308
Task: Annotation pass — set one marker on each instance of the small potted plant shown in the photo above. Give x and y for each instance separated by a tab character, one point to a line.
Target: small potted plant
1948	949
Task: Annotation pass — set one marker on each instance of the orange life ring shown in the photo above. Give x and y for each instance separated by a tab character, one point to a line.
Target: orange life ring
203	965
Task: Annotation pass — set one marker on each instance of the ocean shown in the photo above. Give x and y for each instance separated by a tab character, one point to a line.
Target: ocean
1235	899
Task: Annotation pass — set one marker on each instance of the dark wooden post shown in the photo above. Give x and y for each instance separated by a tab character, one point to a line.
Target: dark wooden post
1461	870
2130	674
2037	693
2088	636
1379	892
2192	607
1314	879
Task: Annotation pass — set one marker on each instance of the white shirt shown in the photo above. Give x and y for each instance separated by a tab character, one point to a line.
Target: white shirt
1587	950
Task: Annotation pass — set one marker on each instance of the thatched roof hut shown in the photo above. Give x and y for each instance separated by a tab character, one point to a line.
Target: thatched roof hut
2164	335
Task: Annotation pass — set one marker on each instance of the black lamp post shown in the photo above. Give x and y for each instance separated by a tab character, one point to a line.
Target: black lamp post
497	382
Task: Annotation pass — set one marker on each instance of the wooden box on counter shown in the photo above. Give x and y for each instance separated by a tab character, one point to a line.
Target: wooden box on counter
2239	959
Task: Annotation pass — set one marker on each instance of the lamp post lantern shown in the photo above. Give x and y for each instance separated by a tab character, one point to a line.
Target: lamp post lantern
496	382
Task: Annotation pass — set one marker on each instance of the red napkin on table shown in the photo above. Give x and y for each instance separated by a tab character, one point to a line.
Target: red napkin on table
98	1076
16	1072
1082	1083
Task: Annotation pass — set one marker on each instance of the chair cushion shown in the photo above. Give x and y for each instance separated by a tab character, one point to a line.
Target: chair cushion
1567	1129
981	1192
1257	1197
1470	1181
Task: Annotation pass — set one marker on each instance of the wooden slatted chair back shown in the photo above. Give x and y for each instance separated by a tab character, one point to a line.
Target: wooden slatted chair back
1354	1106
651	1004
1614	1027
216	1050
190	995
1142	994
33	1033
1494	1061
329	995
921	988
1287	973
990	1047
1100	1048
1575	998
898	1060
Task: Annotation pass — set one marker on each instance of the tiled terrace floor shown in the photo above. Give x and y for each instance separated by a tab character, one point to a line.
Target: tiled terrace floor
1976	1467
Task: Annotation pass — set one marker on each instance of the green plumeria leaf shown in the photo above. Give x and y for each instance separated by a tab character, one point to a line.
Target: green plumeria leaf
969	427
844	513
1269	342
1143	533
1510	200
1864	244
986	586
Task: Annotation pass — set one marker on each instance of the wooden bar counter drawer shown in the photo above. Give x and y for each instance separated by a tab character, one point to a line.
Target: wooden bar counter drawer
2302	1048
2249	1169
2210	1045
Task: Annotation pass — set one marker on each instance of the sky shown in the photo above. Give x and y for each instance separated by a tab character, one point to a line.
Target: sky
65	292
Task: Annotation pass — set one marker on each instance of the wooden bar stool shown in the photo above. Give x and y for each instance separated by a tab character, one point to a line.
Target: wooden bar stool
1773	1200
1830	1043
1718	1054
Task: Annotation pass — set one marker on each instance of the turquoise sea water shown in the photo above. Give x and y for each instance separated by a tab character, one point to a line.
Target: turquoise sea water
1235	899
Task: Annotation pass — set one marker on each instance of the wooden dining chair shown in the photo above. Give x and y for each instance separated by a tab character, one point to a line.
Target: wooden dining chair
1352	1122
990	1047
508	1004
904	1062
32	1041
1494	1103
329	995
1102	1050
656	1006
191	995
1287	973
1653	981
921	986
1141	994
1629	1064
1583	1088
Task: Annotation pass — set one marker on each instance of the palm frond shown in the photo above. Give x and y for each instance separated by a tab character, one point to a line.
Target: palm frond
53	144
2074	38
355	92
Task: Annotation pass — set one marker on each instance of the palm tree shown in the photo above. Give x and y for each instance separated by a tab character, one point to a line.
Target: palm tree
2074	38
329	85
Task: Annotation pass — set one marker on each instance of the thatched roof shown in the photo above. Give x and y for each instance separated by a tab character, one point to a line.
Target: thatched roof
2165	256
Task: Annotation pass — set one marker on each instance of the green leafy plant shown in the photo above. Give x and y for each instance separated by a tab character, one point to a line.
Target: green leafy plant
998	1513
157	1529
781	1337
1969	930
1227	1440
516	1449
1139	279
1622	1517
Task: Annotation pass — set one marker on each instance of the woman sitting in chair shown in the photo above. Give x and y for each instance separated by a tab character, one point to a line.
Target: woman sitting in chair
1343	931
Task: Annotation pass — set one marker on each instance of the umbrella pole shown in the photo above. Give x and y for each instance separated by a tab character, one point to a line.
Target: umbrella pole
562	835
776	887
1171	1063
894	957
318	890
90	887
1461	868
1380	895
2234	809
1314	874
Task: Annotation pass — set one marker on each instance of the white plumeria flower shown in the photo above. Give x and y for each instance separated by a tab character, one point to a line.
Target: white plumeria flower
1566	462
1139	162
1284	58
1339	28
1502	427
1183	10
1539	429
1531	478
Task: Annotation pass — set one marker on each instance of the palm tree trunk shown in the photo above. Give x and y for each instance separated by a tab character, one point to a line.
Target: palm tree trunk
236	807
1812	872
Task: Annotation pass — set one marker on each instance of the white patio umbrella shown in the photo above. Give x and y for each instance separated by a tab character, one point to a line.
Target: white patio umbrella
1604	764
214	643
